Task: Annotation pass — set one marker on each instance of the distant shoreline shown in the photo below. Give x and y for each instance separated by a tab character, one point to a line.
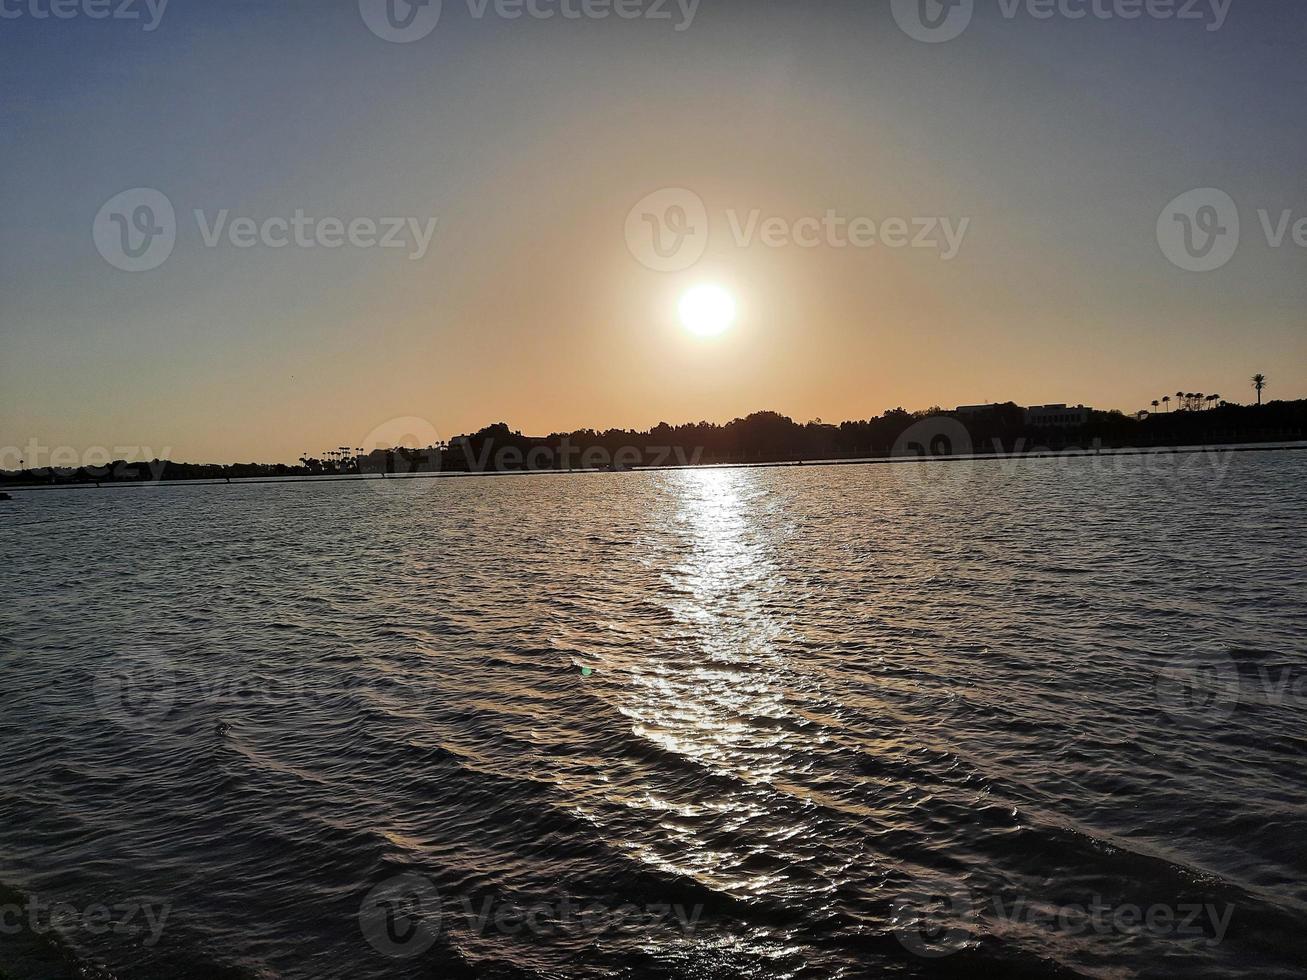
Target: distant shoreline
761	438
1075	453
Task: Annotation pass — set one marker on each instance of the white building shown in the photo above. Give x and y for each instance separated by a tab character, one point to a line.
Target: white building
1057	416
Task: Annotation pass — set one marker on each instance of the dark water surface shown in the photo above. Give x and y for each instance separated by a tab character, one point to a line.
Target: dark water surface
1024	718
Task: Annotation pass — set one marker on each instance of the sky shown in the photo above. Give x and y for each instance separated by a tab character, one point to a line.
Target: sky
1053	149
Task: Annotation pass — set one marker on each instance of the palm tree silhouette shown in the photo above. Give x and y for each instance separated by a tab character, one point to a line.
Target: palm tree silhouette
1259	383
1179	397
1156	403
1166	400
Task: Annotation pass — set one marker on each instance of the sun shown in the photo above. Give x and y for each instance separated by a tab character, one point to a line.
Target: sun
707	310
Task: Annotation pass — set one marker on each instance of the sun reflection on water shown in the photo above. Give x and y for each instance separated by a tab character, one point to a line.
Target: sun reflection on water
717	696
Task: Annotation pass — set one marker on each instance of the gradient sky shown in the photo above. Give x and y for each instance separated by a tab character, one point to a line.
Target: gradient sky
531	140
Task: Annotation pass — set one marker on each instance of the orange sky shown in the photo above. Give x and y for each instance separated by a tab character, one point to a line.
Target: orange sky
530	144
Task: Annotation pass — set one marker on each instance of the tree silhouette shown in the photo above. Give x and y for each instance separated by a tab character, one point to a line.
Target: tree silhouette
1259	384
1166	400
762	437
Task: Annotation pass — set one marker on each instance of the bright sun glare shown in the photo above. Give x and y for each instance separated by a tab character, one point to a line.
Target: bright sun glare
707	311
